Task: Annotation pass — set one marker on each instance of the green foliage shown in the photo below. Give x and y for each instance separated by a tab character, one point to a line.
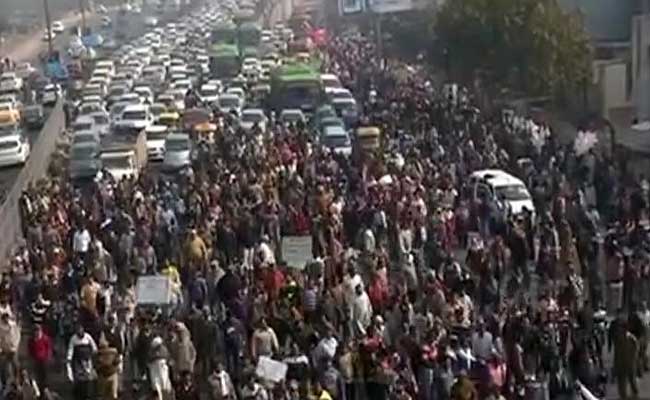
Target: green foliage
531	44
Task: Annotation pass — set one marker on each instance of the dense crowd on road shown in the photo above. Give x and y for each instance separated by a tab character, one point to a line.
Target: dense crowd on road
417	288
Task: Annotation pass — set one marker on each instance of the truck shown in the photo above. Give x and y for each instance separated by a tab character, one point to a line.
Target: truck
124	154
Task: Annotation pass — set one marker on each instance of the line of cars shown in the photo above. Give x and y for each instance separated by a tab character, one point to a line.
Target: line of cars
117	128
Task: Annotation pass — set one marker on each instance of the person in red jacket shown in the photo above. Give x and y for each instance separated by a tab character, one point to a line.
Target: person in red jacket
41	351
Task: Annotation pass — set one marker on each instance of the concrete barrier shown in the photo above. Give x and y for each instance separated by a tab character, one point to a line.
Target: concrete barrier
35	169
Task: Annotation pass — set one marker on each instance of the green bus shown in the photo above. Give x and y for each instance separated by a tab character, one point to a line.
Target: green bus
225	33
297	85
249	34
224	61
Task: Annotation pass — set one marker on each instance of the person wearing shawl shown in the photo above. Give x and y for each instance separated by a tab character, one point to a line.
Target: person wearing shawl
108	362
159	369
183	352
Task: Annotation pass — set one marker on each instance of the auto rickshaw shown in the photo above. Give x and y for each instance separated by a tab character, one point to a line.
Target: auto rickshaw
170	119
205	131
196	116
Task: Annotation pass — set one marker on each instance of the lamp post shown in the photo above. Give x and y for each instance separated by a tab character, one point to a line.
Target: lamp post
82	9
46	9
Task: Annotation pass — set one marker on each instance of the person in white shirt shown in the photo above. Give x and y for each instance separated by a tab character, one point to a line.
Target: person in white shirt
482	342
81	242
221	386
361	311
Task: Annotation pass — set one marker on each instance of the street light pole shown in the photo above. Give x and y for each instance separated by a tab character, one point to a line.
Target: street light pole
82	9
46	8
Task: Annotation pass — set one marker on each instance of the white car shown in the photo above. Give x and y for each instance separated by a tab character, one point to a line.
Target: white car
51	94
251	117
209	94
58	27
14	150
46	37
10	82
134	116
151	22
145	93
228	102
237	91
102	122
24	70
156	136
83	123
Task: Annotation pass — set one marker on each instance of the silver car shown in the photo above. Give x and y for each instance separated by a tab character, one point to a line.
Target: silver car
178	152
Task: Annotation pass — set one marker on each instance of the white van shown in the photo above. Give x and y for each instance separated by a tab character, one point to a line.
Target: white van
494	185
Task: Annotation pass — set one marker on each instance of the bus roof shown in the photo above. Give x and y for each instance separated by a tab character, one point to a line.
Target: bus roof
224	50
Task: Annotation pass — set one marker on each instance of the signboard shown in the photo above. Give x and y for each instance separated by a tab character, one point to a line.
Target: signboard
390	6
153	290
296	251
271	370
347	7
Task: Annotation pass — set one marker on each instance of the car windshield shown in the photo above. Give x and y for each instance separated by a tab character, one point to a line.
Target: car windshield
134	115
82	126
252	117
117	92
83	138
123	162
336	140
341	95
8	144
291	117
209	92
157	110
512	192
229	102
177	145
82	153
100	119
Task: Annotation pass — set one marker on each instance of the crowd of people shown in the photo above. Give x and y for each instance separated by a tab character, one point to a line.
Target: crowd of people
414	291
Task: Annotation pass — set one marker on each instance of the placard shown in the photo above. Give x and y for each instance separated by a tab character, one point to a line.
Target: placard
296	251
271	370
153	289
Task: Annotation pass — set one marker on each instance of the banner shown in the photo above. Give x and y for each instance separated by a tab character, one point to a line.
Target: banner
347	7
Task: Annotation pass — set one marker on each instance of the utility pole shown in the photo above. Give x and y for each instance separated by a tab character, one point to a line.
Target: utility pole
82	9
48	27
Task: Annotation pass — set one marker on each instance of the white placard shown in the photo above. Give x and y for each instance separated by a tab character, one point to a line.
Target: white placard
271	370
153	290
296	251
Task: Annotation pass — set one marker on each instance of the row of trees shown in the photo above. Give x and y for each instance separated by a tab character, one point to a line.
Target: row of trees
531	45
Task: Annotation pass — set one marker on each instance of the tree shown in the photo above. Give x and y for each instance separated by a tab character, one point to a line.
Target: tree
533	45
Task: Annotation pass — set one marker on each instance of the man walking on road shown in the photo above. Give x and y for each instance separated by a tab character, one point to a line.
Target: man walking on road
626	353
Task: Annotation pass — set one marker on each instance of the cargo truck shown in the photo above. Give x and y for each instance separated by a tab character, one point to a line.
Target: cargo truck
124	154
